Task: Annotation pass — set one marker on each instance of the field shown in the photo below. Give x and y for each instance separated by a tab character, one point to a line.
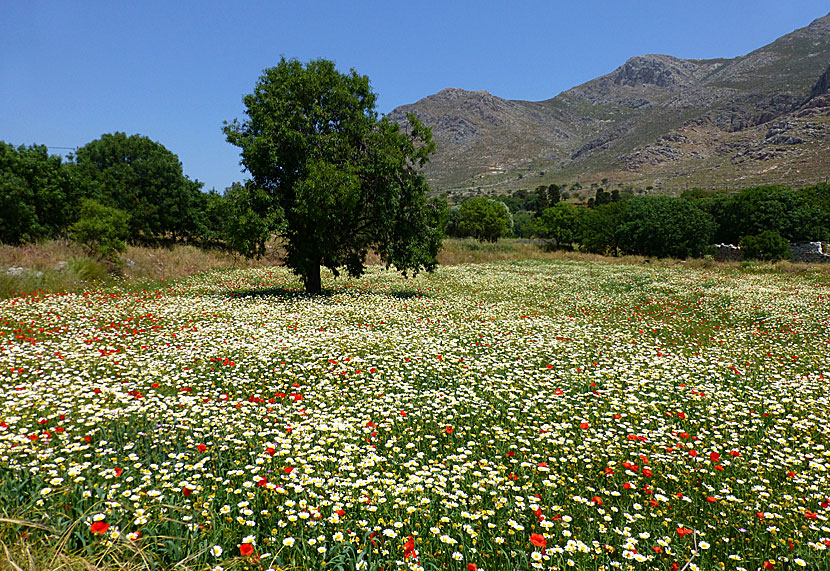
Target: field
546	414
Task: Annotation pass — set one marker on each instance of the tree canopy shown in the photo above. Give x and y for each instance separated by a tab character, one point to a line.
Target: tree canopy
484	219
335	180
36	194
141	177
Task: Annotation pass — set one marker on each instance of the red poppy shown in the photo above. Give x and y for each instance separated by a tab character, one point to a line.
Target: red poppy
711	500
288	469
682	531
714	456
449	429
538	540
511	453
768	564
597	500
246	549
270	451
99	527
472	566
186	491
201	447
118	471
409	548
584	425
341	513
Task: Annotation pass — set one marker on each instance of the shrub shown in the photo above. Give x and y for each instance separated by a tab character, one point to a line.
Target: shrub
768	245
101	230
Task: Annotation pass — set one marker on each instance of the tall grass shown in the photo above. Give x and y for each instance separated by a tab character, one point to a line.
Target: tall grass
60	265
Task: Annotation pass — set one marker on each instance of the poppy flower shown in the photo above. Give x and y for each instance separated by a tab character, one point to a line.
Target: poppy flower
538	540
449	429
472	566
99	527
246	549
409	548
682	531
288	469
201	447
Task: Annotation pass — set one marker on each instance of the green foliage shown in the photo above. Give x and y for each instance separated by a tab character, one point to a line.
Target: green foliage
598	228
86	269
523	224
664	226
102	230
335	179
143	178
796	215
768	245
558	224
247	223
603	197
484	219
36	194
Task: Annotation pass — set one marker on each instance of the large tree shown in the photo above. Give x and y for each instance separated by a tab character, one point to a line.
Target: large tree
143	178
37	195
338	180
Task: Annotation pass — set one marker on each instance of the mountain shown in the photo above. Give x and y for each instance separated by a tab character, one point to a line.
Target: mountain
657	120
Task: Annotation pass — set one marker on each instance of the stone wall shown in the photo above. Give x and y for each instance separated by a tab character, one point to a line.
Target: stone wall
810	252
728	253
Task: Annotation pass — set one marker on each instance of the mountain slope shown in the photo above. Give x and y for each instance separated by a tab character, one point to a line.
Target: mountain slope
656	120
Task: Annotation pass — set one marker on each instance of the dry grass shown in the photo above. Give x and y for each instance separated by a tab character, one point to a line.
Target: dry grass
42	256
62	266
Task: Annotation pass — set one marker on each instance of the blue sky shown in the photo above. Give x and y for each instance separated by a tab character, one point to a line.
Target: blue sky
174	71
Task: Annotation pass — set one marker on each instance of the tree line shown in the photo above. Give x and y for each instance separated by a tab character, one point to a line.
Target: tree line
762	220
115	189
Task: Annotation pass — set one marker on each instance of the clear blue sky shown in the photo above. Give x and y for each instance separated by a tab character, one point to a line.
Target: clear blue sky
175	70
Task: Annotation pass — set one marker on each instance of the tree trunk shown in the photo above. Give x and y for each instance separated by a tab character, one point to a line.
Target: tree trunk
312	279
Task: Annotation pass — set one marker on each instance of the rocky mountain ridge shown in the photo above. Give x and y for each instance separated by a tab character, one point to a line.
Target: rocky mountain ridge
657	120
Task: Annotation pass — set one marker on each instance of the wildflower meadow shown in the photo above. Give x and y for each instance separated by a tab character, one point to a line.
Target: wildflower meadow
524	415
